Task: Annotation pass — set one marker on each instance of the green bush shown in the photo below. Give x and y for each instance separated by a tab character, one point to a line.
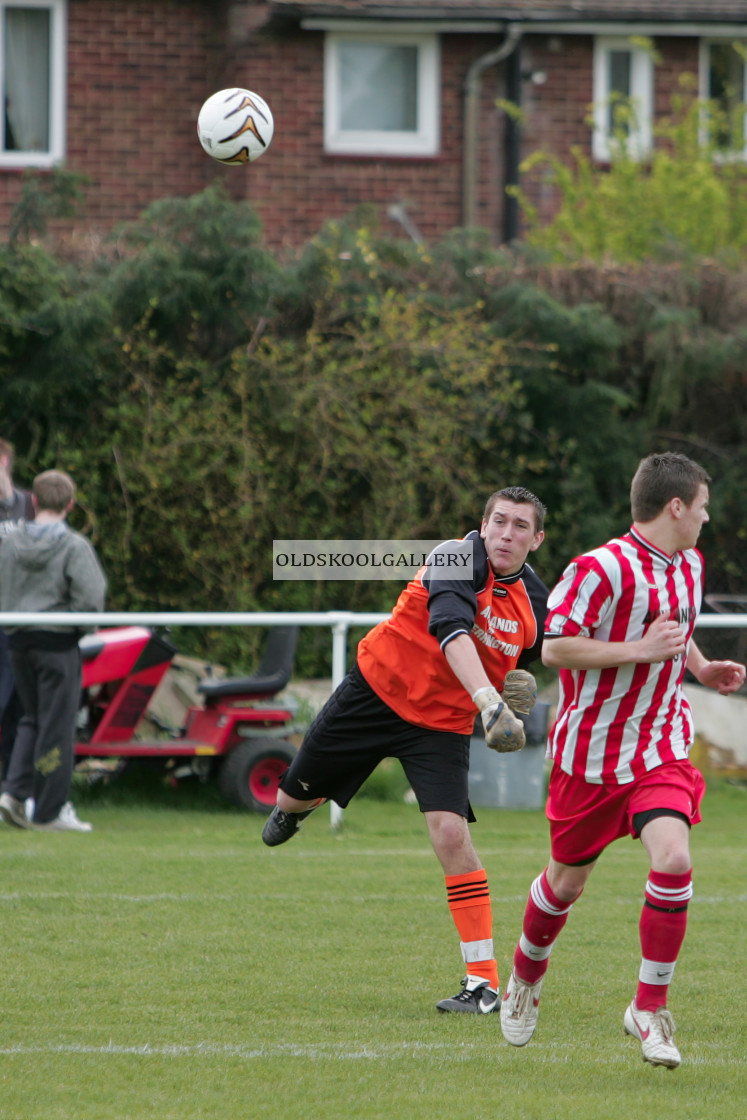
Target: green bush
209	399
687	199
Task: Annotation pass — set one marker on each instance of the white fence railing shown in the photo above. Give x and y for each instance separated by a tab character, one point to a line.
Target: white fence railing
339	622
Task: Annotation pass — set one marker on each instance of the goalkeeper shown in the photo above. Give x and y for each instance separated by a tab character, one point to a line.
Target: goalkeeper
456	644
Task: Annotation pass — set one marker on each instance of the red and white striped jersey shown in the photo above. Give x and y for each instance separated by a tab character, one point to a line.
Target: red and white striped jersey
614	725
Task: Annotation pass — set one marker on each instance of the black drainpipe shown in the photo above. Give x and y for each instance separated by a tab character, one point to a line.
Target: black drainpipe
472	86
512	147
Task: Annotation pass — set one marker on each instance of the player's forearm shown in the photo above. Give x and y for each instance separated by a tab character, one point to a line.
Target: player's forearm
588	653
662	641
696	662
465	664
724	676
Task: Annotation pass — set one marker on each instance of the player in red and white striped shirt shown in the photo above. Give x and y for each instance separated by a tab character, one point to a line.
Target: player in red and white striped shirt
619	629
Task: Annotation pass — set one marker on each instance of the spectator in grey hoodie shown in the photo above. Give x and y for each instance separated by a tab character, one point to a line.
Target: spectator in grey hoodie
46	566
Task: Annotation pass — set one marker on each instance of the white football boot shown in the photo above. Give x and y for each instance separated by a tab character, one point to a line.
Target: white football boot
520	1010
655	1032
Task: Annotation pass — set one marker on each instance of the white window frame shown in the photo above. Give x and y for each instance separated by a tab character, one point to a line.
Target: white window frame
57	84
425	140
704	65
641	95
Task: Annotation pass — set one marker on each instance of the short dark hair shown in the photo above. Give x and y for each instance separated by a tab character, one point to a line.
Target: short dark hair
520	496
54	491
661	477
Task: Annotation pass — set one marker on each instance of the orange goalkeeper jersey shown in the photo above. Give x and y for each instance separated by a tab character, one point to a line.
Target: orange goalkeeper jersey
403	658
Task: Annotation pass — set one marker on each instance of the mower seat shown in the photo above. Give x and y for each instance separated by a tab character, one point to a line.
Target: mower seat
272	675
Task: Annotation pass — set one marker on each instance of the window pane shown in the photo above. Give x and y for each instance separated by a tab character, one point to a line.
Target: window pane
620	84
620	72
26	67
378	87
726	88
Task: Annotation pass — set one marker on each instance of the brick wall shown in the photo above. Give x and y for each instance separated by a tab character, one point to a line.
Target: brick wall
138	71
296	187
557	111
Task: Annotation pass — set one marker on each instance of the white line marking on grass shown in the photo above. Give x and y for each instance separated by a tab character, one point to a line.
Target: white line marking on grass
501	900
546	1053
98	896
354	853
333	1050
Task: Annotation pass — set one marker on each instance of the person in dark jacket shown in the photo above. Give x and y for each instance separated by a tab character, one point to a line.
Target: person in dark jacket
46	566
15	506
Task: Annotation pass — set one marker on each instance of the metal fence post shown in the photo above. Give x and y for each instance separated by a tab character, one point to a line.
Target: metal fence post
339	660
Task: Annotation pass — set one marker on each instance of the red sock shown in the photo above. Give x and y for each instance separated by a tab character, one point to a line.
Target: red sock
469	902
662	931
544	918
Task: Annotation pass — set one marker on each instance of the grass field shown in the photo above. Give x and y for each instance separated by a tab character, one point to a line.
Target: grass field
167	965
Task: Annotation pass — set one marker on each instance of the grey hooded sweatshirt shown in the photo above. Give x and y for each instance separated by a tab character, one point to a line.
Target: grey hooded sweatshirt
49	568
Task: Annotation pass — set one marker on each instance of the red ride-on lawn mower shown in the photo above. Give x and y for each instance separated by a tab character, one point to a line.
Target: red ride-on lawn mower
235	731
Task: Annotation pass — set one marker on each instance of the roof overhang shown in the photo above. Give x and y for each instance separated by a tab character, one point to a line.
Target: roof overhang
687	29
553	18
737	30
442	26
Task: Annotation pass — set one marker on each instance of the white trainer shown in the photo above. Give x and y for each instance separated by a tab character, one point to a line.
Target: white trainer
655	1032
13	811
65	821
520	1010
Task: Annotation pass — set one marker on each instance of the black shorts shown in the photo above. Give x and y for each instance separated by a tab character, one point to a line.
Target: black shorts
355	730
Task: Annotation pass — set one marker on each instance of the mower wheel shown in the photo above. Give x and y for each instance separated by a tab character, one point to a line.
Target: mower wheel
250	774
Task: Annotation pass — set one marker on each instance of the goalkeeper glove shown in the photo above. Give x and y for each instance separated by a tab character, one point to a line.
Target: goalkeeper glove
503	731
520	691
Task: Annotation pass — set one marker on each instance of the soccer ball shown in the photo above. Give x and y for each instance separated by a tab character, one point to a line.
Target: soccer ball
235	126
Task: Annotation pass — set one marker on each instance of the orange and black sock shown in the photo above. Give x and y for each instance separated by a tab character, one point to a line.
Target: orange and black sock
469	902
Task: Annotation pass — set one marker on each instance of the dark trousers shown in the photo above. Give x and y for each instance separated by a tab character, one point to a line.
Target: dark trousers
10	706
41	765
8	728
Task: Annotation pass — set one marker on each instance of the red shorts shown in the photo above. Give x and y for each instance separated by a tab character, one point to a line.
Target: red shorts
586	818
